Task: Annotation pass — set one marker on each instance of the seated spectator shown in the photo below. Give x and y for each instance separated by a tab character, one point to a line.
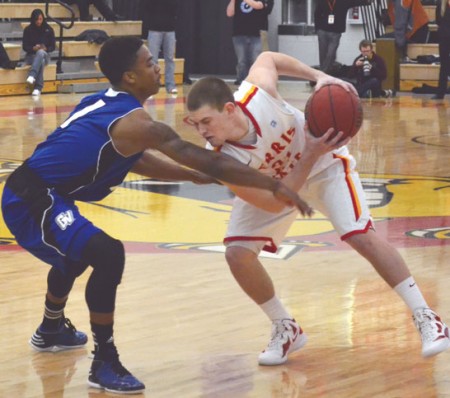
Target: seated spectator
368	71
410	23
100	5
38	42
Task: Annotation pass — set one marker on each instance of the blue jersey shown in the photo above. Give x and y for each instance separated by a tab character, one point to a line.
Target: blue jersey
79	159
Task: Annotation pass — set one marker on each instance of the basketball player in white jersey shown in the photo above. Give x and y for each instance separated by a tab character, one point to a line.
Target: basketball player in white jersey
259	128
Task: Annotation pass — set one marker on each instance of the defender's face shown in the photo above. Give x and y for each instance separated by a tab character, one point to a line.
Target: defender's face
147	72
211	124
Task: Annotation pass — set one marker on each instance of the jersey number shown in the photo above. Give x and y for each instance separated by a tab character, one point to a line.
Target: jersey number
83	112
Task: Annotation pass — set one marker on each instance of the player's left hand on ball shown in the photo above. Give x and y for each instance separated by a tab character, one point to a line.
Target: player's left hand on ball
323	81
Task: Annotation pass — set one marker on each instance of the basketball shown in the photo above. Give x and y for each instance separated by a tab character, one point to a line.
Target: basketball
333	106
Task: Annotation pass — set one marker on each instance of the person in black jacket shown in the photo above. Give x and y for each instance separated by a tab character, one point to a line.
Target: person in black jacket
369	71
249	19
159	22
38	42
443	33
330	22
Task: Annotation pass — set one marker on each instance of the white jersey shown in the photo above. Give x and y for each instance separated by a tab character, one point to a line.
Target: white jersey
276	137
273	145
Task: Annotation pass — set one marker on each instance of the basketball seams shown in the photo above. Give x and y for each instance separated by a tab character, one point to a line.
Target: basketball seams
310	117
332	108
342	110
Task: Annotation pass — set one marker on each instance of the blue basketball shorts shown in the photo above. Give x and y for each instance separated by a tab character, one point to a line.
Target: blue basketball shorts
46	224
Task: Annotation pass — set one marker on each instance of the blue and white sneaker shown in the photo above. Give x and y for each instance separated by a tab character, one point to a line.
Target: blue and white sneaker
66	338
110	375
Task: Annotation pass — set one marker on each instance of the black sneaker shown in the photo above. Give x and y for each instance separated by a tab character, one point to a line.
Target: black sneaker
110	375
66	338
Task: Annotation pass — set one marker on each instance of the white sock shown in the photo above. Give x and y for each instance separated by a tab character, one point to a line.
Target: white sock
411	294
274	309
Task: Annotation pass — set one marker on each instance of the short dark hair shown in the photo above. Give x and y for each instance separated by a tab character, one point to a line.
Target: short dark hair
365	43
118	55
210	91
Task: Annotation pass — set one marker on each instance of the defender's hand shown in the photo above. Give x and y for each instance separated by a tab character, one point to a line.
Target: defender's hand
290	198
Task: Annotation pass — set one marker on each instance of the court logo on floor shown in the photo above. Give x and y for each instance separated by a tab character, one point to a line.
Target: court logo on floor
154	216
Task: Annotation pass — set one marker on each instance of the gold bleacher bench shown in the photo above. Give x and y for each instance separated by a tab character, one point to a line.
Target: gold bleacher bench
23	10
120	28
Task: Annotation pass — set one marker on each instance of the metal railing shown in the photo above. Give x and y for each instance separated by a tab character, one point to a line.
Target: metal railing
372	17
62	25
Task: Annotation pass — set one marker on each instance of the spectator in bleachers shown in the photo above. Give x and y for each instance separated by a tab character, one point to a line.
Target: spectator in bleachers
100	5
38	42
443	33
410	23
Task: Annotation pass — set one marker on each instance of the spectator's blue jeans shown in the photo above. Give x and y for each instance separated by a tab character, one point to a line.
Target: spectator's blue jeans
38	62
167	41
373	84
328	45
247	49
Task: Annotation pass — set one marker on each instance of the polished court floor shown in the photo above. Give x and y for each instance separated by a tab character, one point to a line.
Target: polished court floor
184	327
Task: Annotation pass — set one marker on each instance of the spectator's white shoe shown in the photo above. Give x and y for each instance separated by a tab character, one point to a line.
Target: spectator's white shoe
36	93
30	82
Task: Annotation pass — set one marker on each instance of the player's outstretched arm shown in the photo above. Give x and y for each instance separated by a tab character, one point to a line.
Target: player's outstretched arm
152	166
267	68
137	132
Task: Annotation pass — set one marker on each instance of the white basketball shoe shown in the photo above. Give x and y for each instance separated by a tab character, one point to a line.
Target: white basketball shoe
287	337
433	331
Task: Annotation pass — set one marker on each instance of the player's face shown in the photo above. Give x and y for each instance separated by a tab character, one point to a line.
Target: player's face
211	124
147	72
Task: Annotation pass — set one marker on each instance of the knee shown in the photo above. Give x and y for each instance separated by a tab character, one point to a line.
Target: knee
238	257
41	53
106	255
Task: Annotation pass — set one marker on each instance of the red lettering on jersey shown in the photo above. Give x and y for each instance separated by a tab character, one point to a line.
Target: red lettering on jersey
280	173
269	157
288	134
277	147
276	165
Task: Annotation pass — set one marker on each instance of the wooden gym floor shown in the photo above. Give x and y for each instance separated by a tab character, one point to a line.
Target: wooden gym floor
184	327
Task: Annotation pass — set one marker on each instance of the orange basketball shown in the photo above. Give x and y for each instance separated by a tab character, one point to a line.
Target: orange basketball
333	106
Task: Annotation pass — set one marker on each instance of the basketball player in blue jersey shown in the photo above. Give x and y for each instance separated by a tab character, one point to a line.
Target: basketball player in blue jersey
105	137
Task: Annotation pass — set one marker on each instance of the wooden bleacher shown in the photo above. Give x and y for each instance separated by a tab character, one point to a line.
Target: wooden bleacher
12	82
24	10
410	75
120	28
